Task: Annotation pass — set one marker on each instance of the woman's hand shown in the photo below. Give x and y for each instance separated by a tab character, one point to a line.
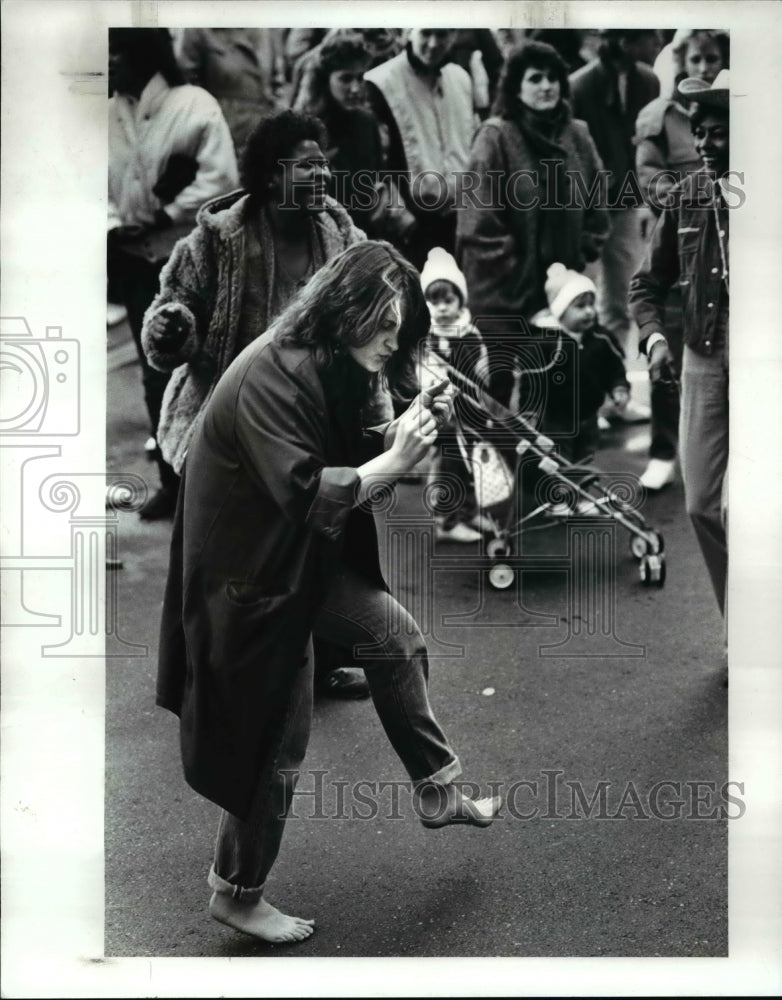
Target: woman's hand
168	328
407	439
438	399
416	432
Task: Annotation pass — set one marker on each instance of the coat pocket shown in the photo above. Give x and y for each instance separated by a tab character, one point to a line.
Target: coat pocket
688	238
249	629
245	593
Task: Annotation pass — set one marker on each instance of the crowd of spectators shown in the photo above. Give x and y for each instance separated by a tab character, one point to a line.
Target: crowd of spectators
242	160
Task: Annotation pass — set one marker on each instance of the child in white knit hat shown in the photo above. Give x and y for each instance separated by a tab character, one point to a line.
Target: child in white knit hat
453	339
579	382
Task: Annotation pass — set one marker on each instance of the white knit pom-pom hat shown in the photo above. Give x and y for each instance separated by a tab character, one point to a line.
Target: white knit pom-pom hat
441	266
563	285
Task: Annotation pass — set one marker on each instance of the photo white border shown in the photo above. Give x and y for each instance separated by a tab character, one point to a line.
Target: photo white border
53	254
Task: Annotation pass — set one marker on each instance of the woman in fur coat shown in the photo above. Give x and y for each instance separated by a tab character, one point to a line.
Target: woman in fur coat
250	252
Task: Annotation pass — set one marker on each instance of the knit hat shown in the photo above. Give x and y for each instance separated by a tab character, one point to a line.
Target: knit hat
562	286
441	266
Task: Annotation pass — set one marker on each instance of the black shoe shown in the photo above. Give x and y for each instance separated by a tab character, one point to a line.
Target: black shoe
160	506
344	682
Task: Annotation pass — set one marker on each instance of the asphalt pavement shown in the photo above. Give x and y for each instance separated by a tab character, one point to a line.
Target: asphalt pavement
595	704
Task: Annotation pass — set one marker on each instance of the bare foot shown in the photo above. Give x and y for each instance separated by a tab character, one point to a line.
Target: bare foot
260	919
442	805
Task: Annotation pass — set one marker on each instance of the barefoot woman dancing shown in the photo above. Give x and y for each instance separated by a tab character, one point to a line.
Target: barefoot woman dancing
273	543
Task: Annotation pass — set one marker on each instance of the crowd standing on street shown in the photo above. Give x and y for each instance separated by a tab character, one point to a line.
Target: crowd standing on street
170	152
296	218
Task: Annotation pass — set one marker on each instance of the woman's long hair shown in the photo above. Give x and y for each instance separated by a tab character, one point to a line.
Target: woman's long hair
528	55
338	50
345	302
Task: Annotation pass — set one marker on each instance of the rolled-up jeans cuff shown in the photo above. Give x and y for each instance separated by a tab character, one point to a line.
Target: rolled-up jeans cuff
445	776
219	884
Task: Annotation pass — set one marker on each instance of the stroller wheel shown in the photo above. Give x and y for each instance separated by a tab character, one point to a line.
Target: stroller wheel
659	543
640	546
652	570
501	576
498	548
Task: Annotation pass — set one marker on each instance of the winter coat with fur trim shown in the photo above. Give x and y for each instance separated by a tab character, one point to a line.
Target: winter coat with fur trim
205	280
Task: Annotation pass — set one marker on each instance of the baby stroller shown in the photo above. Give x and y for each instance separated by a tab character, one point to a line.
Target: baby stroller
571	490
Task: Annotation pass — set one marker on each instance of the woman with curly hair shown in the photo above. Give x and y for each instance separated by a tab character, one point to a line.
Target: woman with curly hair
275	541
250	253
234	274
336	94
506	248
508	236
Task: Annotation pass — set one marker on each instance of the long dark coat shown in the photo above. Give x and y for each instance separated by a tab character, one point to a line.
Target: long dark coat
503	248
265	514
595	99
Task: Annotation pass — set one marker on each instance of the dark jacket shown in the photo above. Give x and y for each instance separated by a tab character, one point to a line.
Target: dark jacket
685	249
354	148
580	377
594	91
503	248
265	514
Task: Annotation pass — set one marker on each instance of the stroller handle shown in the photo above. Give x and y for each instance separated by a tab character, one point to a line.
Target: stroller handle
492	407
496	411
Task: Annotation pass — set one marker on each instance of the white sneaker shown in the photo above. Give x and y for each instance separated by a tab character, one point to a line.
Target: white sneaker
632	413
658	474
458	533
603	423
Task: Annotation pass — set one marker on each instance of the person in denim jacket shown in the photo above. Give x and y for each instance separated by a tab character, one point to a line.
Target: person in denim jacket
690	247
